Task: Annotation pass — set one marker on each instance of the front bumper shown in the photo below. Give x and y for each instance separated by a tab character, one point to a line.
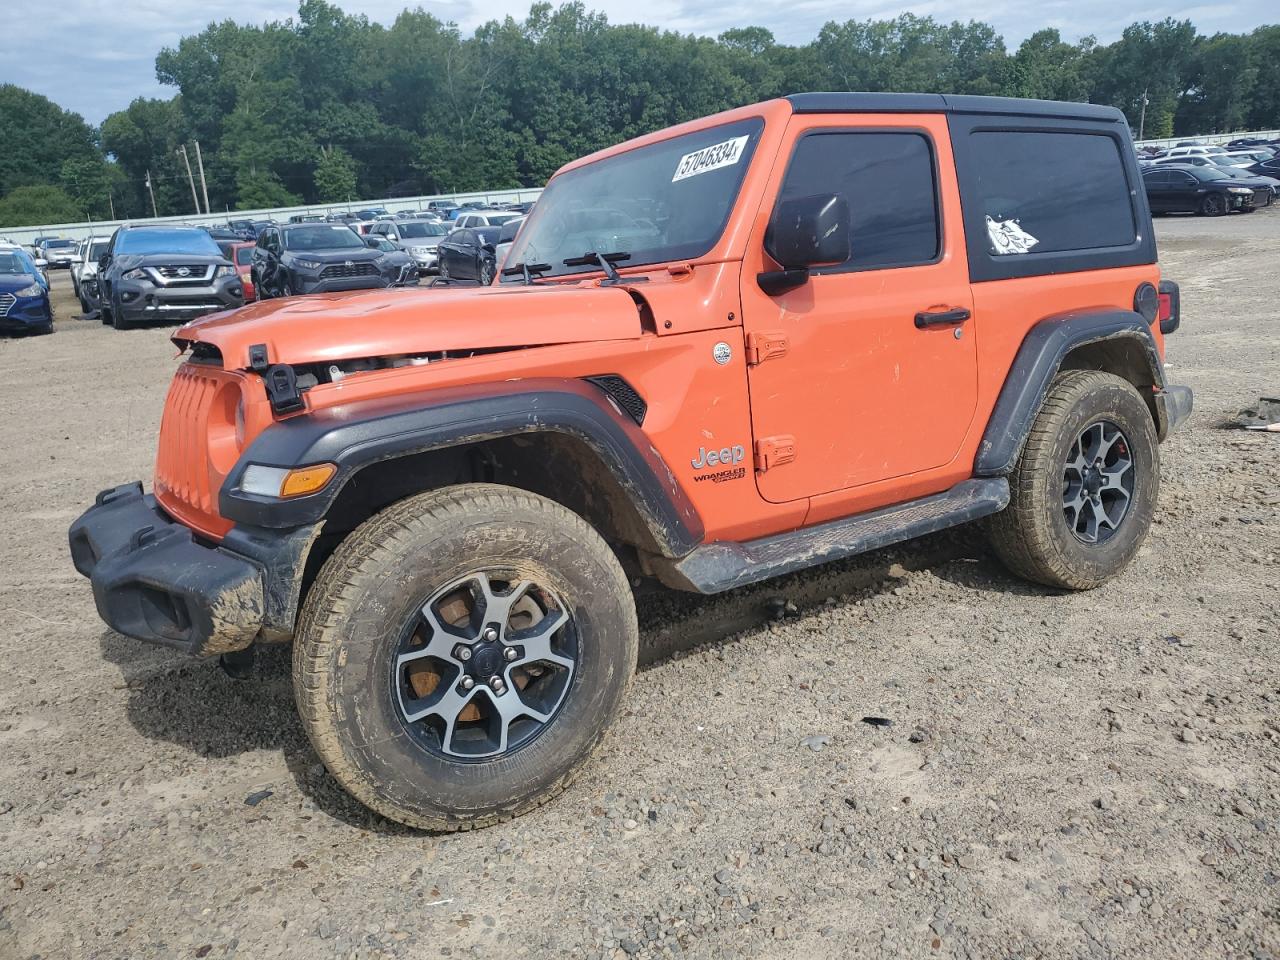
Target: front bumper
312	283
1173	407
143	300
154	581
27	315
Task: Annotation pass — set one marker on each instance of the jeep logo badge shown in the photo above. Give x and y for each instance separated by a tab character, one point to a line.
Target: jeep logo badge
714	458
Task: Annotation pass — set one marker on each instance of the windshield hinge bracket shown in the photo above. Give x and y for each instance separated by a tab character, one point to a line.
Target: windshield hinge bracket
764	345
774	451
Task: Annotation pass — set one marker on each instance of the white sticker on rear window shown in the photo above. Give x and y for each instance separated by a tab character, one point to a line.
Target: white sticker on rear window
1007	236
710	158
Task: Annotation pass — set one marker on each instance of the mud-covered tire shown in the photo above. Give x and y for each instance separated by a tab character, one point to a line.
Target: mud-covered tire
1032	535
352	622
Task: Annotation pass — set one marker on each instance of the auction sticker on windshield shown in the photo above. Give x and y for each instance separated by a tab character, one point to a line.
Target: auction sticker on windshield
710	158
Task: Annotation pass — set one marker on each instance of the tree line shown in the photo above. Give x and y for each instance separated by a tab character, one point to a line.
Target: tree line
328	107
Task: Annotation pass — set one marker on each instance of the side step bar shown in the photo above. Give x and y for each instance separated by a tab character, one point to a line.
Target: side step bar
714	567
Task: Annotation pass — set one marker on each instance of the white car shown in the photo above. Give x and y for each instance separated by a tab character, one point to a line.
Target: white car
59	253
484	218
86	268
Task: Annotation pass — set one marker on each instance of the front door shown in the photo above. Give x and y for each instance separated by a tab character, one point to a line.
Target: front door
870	366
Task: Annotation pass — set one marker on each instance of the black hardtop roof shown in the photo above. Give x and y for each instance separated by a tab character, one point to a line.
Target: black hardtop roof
949	103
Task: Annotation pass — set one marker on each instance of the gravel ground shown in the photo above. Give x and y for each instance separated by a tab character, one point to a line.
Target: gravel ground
1085	775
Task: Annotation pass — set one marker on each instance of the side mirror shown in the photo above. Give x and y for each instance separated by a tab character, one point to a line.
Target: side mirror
805	232
371	241
103	261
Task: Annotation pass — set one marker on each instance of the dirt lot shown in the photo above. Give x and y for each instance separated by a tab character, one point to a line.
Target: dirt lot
1090	775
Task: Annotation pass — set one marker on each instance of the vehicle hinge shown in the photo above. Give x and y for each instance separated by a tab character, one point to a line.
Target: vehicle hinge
258	362
775	451
765	345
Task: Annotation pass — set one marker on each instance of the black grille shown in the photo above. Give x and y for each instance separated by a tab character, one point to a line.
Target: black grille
340	271
624	394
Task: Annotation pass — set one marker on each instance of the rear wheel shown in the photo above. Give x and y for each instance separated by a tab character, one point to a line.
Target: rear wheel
1214	205
461	654
444	270
1084	489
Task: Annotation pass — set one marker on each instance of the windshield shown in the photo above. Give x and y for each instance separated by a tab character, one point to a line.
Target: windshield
97	249
12	263
332	237
142	242
244	256
59	244
420	229
666	201
1210	173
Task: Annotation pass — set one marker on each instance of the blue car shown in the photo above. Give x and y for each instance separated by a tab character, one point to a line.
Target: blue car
24	295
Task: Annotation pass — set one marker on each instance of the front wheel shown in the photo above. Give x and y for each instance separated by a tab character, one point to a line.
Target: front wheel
1083	492
1214	205
486	273
461	654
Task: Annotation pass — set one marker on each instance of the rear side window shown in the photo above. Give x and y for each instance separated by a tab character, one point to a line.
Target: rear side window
1047	192
889	181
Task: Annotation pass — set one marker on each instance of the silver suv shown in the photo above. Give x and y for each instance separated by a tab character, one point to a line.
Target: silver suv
418	238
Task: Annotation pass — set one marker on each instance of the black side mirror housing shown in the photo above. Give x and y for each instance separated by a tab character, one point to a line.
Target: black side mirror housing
805	232
103	261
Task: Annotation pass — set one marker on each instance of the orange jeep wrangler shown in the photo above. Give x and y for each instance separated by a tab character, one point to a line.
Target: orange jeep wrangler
718	353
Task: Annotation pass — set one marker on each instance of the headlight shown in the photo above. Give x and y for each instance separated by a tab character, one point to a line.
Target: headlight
34	290
284	483
307	264
225	272
1238	190
136	274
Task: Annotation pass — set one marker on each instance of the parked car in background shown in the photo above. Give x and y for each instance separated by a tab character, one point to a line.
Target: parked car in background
466	208
59	253
1187	189
485	218
162	272
418	238
222	234
240	253
371	213
1195	150
260	225
469	253
85	272
317	258
1264	188
306	218
1266	168
441	207
506	236
398	260
1195	160
24	299
243	229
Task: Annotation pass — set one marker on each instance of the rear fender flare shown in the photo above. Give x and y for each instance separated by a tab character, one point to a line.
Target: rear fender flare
1042	354
355	435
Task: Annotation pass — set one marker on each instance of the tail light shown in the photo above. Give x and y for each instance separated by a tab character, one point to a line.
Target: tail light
1170	312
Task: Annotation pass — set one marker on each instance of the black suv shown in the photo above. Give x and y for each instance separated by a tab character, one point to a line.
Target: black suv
164	273
299	258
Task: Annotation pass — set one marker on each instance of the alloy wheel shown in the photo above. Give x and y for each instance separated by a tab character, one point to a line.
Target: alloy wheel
484	665
1097	482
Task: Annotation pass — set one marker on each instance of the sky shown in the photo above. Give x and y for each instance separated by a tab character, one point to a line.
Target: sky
95	56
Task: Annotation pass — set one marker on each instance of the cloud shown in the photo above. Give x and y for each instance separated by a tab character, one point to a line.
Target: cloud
95	56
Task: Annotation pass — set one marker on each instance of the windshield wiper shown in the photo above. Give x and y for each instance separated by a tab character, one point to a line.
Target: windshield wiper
605	261
526	270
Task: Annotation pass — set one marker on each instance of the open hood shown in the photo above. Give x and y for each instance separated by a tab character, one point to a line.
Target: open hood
377	323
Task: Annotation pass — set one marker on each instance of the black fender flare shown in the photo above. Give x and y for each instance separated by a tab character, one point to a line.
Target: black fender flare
1037	362
355	435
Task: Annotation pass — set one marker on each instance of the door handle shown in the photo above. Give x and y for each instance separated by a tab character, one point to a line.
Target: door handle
940	318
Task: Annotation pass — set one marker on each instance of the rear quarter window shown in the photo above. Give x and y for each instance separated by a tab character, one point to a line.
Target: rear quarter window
1048	195
1064	191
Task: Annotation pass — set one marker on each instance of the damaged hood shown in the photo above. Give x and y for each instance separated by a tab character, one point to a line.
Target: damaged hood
377	323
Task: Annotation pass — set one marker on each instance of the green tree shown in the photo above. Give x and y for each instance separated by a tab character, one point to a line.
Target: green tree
335	175
38	137
38	204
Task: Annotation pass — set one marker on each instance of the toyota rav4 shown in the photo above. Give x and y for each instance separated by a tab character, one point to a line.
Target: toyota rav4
724	351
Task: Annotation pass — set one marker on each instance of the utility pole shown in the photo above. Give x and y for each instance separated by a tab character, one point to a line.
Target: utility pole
1142	117
190	179
112	202
203	189
153	195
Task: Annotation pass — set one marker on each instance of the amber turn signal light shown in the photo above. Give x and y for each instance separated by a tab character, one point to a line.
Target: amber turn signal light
303	480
